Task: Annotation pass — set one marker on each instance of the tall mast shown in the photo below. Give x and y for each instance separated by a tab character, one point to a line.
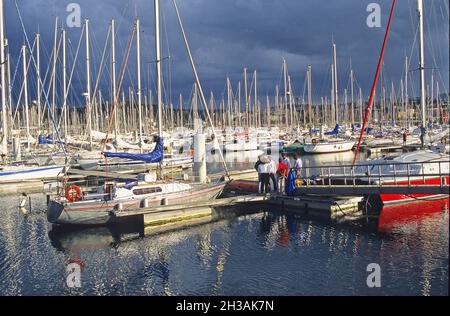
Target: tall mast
158	67
3	82
139	92
333	103
335	84
38	80
421	62
181	111
88	85
246	98
255	108
406	92
310	115
25	94
352	110
64	83
113	66
55	59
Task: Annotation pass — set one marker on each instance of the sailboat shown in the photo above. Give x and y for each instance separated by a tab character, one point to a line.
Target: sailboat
18	171
100	208
420	168
322	146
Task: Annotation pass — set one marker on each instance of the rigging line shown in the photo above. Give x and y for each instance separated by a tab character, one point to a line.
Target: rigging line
433	51
69	83
39	78
169	67
11	84
202	96
100	71
119	87
21	91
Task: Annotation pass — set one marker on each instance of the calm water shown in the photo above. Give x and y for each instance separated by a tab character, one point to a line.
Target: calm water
263	253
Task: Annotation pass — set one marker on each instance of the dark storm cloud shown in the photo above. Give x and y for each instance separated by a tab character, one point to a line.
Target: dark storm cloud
227	35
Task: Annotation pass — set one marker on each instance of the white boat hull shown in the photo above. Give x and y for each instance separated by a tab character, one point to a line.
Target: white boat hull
20	173
328	147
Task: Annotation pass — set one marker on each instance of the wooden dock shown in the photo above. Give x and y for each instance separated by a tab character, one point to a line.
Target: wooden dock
165	214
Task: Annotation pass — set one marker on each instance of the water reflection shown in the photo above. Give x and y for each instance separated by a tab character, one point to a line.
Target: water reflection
258	252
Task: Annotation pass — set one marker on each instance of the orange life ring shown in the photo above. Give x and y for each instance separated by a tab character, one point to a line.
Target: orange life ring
73	193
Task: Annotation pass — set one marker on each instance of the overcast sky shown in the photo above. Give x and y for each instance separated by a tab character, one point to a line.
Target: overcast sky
226	35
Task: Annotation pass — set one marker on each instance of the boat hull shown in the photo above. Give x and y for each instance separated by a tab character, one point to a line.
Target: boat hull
326	148
101	212
30	174
392	199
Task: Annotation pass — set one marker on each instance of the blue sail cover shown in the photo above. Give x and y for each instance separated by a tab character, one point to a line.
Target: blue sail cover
156	155
334	132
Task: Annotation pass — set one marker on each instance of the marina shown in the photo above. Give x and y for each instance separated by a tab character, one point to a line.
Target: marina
257	189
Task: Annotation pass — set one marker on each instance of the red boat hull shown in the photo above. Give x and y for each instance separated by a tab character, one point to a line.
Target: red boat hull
389	199
393	216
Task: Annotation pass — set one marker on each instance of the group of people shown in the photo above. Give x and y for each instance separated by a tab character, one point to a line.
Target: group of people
269	171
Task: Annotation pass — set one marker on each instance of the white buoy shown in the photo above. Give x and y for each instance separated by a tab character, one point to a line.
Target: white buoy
200	157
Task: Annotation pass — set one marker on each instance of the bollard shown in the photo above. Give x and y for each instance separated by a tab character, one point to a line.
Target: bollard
200	157
16	149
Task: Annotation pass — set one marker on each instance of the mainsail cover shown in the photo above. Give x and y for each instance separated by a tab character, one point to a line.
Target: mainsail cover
335	131
156	155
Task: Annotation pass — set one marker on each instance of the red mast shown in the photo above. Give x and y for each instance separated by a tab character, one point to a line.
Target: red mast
374	85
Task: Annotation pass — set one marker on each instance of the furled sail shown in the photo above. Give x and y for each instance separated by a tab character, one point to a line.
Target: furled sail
156	155
335	131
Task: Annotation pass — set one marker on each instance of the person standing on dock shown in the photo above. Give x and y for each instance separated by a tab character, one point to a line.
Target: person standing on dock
264	172
272	173
257	164
298	165
405	136
282	173
423	131
286	160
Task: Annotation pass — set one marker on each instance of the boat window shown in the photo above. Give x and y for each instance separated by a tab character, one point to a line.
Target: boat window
147	190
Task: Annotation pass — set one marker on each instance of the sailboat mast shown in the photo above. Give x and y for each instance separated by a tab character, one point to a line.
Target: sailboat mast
88	85
25	89
139	92
310	114
64	83
3	82
335	84
421	62
158	66
38	80
113	75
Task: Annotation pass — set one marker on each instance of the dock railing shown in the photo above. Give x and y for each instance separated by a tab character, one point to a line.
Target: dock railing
430	177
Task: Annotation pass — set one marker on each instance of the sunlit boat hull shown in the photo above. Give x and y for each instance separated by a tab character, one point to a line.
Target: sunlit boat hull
101	212
326	148
20	174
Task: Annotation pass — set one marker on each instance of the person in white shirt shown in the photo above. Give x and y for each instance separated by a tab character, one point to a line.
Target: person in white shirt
298	165
273	171
264	169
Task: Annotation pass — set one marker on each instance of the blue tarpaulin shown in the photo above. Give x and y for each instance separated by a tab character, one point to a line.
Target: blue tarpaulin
290	185
157	155
334	132
43	140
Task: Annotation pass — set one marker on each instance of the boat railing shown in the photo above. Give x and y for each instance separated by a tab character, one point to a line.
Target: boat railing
377	174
